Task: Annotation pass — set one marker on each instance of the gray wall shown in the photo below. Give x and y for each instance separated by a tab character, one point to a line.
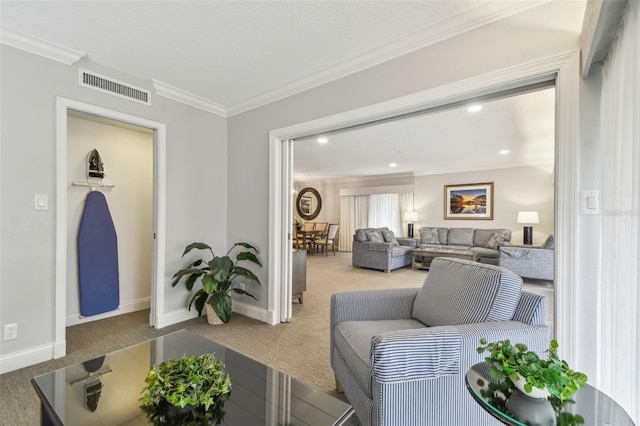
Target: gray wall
196	184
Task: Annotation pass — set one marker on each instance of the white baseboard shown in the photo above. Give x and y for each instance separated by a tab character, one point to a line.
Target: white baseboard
25	358
239	307
124	308
251	311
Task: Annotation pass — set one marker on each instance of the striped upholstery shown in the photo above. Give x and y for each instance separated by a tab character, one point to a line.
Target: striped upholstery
460	292
396	371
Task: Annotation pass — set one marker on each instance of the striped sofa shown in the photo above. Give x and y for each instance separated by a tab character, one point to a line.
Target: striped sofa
401	355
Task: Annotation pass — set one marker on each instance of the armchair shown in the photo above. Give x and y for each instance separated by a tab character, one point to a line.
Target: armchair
401	355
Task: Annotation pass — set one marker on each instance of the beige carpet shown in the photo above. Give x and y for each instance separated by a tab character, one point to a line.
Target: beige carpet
299	348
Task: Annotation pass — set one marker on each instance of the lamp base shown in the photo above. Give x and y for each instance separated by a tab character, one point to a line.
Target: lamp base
410	230
528	235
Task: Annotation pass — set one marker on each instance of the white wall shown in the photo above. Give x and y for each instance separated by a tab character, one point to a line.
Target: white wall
128	160
514	189
196	190
545	31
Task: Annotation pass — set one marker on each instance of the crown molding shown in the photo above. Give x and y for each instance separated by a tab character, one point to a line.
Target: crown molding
442	30
179	95
40	47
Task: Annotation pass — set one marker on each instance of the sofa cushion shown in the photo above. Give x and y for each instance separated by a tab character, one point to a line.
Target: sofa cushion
495	241
399	250
429	236
548	244
460	236
462	292
390	237
375	236
353	341
361	234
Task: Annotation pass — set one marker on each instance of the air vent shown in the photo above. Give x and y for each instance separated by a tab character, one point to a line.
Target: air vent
105	84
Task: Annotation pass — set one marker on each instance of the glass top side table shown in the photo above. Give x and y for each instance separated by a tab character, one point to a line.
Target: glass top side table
511	407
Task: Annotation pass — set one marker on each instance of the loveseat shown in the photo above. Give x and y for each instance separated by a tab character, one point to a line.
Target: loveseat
379	248
485	242
401	354
529	262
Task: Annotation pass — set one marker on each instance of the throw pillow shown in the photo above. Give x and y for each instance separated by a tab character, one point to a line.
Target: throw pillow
549	243
496	241
429	236
390	237
375	237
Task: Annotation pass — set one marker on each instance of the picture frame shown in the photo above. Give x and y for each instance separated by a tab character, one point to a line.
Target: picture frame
471	201
305	205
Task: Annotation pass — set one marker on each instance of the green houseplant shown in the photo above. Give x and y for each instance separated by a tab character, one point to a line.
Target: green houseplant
512	362
217	276
189	390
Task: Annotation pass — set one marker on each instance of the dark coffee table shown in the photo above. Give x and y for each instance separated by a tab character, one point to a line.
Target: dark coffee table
593	406
110	386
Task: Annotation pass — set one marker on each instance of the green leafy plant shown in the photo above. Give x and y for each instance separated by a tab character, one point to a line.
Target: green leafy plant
188	381
507	361
217	276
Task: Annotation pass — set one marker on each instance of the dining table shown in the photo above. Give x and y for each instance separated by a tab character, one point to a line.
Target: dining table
305	238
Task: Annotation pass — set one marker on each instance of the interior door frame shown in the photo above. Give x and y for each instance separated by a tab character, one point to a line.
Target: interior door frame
564	69
63	106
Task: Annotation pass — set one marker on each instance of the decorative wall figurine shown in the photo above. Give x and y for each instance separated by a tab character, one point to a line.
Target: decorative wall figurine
95	167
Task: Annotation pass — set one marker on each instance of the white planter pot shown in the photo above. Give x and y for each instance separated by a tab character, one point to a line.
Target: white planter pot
535	392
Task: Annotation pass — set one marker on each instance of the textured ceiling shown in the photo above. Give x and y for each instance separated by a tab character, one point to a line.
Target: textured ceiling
443	142
229	52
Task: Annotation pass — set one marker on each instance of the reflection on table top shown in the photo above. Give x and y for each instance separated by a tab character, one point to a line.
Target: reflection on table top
593	406
260	395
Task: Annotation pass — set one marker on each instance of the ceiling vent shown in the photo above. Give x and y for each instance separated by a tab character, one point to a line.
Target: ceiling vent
105	84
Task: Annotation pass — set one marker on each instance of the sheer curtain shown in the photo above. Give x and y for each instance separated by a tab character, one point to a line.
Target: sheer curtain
620	203
354	214
384	210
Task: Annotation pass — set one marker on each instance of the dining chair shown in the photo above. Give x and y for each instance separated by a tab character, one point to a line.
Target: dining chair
328	239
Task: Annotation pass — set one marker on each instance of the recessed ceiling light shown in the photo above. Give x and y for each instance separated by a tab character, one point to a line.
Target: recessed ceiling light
323	140
504	152
392	164
474	108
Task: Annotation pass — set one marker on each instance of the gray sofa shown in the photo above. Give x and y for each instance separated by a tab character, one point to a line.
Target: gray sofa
379	248
485	242
401	355
529	262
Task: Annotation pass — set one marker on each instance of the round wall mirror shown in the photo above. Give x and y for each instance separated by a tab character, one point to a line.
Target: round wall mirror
308	203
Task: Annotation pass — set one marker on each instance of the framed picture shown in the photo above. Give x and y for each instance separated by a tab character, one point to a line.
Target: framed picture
469	201
305	205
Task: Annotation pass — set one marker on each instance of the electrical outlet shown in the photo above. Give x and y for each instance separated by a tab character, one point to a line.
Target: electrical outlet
10	331
241	286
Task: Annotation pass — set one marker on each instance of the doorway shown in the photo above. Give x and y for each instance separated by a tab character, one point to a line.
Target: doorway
563	69
65	107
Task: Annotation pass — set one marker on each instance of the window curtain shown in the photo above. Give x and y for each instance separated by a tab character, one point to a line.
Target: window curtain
384	211
619	359
354	214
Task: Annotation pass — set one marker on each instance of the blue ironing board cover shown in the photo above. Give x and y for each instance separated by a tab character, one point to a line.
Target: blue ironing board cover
98	258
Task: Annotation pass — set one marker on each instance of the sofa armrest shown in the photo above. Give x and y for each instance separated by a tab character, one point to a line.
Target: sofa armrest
372	305
431	352
411	242
413	354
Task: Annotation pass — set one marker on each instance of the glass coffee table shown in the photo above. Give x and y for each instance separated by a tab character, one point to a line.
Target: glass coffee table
105	390
588	404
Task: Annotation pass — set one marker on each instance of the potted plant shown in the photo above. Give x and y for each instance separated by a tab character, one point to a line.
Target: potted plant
189	390
527	371
218	276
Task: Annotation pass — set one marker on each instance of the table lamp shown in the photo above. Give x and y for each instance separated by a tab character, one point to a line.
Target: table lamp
528	218
410	217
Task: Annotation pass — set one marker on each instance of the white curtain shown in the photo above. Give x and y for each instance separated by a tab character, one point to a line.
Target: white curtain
384	210
620	207
354	214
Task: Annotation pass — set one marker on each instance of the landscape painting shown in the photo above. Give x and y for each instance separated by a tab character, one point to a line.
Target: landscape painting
469	201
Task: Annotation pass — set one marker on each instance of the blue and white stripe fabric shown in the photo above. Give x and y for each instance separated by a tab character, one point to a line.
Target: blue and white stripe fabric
397	371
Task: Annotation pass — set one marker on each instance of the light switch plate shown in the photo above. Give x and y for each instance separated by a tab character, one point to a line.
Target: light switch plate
40	202
590	202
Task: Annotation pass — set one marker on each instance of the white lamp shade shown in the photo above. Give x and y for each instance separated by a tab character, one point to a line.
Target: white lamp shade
410	216
527	217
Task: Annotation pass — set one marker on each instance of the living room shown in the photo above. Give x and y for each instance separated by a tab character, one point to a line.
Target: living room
232	158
